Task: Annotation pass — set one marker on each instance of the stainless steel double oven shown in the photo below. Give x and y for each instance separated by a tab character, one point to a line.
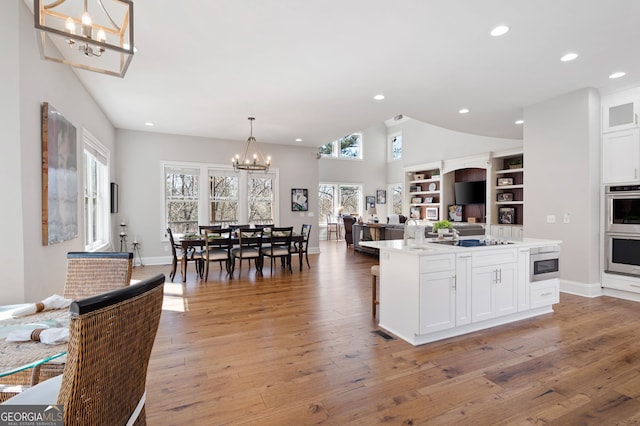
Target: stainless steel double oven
622	230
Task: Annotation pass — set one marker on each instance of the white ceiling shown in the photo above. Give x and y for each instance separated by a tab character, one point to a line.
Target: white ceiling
309	68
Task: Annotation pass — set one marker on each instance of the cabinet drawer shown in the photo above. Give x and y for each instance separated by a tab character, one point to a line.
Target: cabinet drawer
437	262
544	293
494	257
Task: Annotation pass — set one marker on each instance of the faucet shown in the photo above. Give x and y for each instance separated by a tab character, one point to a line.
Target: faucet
410	227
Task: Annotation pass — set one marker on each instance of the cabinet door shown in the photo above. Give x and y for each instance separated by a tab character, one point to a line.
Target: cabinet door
505	294
463	289
621	157
517	232
620	111
437	301
482	281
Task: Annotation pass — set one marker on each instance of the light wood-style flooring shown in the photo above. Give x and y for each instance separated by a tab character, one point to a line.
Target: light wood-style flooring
297	349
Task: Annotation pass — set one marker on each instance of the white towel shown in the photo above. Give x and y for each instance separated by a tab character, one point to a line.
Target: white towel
52	302
49	336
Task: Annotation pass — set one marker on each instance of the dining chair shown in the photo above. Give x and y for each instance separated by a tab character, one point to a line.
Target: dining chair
202	228
91	273
249	247
217	248
279	246
332	227
110	340
192	255
296	247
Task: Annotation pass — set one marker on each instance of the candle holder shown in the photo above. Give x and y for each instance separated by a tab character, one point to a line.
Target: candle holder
123	237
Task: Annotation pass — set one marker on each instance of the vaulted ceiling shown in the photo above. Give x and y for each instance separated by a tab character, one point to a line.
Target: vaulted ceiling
309	69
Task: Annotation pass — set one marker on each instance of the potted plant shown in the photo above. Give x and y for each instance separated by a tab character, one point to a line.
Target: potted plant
442	227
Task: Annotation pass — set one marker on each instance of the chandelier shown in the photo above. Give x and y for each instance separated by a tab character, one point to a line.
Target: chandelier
99	40
249	162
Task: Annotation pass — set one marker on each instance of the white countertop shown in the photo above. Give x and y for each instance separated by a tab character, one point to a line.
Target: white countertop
430	247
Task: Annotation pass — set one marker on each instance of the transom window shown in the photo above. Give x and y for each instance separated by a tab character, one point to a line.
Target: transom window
347	147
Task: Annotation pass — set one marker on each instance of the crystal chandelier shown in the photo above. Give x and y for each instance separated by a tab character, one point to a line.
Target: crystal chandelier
101	39
252	160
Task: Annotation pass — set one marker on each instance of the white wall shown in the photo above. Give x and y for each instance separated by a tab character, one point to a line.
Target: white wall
562	163
139	176
12	251
35	271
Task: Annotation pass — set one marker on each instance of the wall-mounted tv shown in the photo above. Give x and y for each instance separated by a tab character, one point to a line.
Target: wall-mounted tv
470	192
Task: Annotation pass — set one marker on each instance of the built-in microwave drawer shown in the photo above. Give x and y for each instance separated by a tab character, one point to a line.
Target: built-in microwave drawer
544	293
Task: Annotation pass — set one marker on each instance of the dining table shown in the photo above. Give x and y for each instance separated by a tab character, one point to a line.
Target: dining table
197	240
16	357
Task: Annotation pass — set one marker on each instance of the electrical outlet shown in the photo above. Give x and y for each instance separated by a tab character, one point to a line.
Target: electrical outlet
566	218
551	218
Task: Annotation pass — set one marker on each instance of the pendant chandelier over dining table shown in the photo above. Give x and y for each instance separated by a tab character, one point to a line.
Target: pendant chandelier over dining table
252	160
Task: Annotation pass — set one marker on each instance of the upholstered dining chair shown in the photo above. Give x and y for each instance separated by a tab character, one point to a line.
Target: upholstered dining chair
279	246
89	274
191	256
348	229
217	248
110	340
305	232
249	247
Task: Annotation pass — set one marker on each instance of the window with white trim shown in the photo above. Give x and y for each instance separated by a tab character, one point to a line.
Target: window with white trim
395	146
223	197
182	192
396	198
96	194
260	198
335	199
349	146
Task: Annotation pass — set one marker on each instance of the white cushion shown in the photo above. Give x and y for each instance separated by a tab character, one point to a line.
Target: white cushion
44	393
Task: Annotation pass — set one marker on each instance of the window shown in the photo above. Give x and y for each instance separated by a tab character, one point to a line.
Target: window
231	198
347	147
395	146
96	194
396	198
261	200
223	197
181	198
339	199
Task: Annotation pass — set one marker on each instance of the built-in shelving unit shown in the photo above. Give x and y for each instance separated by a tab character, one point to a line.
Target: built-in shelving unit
508	189
424	196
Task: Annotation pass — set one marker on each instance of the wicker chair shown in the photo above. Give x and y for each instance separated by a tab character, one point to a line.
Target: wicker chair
110	341
89	274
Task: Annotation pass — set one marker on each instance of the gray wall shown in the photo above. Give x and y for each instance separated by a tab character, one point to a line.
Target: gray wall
34	271
562	175
139	175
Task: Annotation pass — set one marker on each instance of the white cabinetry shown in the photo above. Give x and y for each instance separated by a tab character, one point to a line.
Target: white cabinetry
463	289
437	301
621	157
494	284
620	111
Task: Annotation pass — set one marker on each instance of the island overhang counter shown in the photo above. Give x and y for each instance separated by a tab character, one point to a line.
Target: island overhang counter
435	291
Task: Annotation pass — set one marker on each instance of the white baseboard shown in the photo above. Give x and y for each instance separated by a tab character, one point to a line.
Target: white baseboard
581	289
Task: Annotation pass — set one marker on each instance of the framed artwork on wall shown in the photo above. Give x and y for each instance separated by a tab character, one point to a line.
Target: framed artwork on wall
381	196
59	178
114	197
299	200
371	202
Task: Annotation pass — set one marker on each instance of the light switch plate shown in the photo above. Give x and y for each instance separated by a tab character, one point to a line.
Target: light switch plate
551	218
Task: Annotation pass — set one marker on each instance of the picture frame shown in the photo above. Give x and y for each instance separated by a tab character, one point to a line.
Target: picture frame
505	196
59	177
428	200
414	213
416	200
381	196
506	215
505	181
299	199
371	202
418	176
431	213
455	213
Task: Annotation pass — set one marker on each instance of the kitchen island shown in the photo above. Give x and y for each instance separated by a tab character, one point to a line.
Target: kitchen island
439	290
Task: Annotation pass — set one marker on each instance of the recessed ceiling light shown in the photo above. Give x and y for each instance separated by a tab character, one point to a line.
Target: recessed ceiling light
148	123
499	30
617	74
378	97
519	121
464	110
298	140
569	57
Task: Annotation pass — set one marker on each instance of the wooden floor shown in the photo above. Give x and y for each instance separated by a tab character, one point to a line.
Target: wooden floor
298	349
